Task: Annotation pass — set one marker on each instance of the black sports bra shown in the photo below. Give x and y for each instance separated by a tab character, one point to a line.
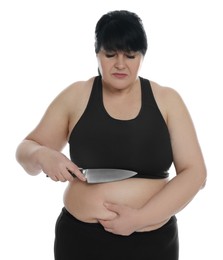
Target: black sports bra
141	144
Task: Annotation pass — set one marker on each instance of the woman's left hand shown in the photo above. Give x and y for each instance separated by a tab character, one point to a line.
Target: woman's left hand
125	223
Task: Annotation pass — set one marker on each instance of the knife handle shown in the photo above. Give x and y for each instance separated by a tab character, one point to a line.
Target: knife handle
72	174
80	169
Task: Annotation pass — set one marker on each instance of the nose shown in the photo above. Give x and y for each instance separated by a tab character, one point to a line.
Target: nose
120	61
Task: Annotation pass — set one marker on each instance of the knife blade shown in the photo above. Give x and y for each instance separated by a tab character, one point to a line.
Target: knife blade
106	175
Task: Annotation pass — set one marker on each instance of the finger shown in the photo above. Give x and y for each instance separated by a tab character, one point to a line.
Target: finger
109	230
112	207
59	177
54	178
71	173
76	173
62	178
105	224
67	175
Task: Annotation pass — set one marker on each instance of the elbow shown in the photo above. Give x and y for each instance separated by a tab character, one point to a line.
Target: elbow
18	154
203	177
204	182
22	156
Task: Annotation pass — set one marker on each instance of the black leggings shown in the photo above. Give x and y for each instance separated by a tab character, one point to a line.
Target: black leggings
82	241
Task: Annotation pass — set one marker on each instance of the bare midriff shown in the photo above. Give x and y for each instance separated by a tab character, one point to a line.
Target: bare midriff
86	201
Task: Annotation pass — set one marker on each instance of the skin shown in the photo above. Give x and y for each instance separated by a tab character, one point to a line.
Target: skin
41	150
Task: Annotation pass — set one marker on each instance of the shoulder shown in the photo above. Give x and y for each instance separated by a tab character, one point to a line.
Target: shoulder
74	92
78	88
71	99
165	93
168	99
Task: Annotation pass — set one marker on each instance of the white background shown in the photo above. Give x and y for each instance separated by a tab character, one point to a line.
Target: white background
45	46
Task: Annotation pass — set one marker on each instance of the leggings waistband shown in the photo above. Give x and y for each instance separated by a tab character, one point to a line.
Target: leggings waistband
74	219
73	236
173	219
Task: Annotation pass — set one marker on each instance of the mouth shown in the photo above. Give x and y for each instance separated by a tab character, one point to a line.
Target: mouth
120	75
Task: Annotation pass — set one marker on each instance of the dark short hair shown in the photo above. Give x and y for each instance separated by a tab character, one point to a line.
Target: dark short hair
120	31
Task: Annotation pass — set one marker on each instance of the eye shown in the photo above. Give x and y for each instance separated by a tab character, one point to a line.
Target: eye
129	56
109	55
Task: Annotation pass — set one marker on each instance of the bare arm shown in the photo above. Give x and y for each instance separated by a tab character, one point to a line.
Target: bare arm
190	178
26	156
188	162
41	150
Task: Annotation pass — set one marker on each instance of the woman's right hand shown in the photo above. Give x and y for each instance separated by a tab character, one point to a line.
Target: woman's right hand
57	166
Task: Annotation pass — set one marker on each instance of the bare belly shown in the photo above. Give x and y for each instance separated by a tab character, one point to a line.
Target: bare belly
86	201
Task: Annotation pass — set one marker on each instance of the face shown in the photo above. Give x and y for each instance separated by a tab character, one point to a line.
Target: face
119	69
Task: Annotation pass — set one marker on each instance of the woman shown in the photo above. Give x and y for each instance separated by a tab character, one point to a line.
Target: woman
123	121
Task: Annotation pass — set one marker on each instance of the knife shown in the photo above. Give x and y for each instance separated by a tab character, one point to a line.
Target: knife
105	175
